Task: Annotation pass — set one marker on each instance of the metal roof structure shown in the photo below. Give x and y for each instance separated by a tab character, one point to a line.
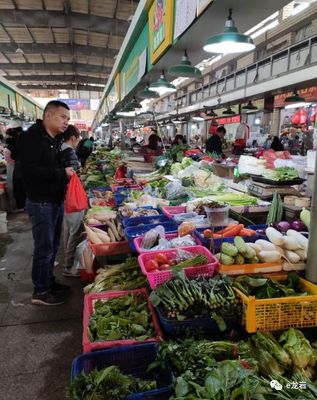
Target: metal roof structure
61	44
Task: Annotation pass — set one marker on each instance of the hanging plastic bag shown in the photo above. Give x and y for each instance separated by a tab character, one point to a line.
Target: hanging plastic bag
84	257
152	237
174	190
76	198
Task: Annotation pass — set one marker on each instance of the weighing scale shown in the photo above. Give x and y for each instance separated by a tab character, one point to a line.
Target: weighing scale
265	191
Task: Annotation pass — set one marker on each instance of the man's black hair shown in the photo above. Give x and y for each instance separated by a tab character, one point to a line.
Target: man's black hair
221	129
53	104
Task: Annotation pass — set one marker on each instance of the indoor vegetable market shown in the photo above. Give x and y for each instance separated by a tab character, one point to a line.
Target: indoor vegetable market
157	199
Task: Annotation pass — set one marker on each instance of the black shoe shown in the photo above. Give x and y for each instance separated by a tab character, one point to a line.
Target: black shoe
47	299
59	287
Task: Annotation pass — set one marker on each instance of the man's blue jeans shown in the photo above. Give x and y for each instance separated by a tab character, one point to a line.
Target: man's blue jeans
47	220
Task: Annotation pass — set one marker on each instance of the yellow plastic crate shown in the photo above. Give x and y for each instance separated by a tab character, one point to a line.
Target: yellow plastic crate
280	313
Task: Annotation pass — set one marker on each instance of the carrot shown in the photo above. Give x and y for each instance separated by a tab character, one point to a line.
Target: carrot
247	232
234	231
216	236
228	228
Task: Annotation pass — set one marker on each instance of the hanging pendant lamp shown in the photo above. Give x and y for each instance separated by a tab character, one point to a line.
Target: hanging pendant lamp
197	117
162	86
230	41
148	94
229	111
249	106
184	69
134	103
295	98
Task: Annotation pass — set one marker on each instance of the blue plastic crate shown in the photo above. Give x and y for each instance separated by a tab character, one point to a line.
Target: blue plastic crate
217	242
174	329
135	231
256	227
152	219
160	212
119	198
132	360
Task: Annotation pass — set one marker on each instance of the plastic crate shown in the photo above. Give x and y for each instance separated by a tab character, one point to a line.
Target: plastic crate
152	219
217	242
157	278
170	211
110	249
280	313
174	329
132	360
256	227
89	308
135	231
259	268
137	242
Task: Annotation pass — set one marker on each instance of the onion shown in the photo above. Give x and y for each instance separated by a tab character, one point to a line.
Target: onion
298	225
283	226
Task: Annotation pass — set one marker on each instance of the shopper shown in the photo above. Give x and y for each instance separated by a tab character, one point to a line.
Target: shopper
86	150
214	143
276	144
73	222
45	181
178	140
18	185
10	144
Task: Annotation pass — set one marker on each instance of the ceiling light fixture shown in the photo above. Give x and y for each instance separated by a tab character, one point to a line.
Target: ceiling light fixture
250	106
228	111
148	94
297	105
294	98
185	69
162	86
197	117
230	41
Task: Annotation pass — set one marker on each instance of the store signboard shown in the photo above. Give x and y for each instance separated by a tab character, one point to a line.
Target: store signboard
29	108
7	97
136	64
185	13
77	104
112	97
310	94
202	5
229	120
161	18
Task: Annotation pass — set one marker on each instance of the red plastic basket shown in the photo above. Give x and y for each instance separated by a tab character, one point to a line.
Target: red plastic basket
138	240
157	278
170	211
89	309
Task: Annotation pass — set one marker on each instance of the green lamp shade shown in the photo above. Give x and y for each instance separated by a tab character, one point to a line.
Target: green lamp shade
162	86
249	106
295	98
185	69
148	94
229	111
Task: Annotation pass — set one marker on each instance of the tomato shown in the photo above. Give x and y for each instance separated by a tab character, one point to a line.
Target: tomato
151	265
207	233
172	262
161	258
164	266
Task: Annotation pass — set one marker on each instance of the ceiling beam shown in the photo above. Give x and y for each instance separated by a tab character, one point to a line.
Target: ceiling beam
68	86
67	67
57	78
58	19
62	49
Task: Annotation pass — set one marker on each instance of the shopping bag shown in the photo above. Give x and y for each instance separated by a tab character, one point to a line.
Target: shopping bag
76	198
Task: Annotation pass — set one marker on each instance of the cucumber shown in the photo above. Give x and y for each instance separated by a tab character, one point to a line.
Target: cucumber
229	249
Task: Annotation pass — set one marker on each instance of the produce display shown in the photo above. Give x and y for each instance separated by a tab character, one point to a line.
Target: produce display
281	174
275	213
182	298
124	276
263	288
129	212
98	215
125	317
231	230
112	232
107	383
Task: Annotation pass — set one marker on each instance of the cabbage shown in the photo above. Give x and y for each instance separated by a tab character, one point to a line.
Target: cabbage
176	168
186	162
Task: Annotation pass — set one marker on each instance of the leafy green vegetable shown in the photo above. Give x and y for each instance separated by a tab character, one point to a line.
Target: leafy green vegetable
124	317
281	174
108	383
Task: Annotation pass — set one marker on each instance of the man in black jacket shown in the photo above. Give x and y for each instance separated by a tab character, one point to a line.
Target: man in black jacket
45	182
214	143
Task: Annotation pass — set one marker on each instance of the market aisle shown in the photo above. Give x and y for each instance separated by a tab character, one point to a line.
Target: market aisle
38	344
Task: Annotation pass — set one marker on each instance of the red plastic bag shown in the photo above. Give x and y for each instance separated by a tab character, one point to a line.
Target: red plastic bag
76	198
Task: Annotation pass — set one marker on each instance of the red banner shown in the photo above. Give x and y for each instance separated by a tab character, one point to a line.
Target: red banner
310	94
229	120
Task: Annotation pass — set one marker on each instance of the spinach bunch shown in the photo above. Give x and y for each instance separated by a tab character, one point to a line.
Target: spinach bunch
108	383
120	318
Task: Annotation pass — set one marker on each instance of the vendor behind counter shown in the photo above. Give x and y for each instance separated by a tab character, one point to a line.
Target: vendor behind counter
214	143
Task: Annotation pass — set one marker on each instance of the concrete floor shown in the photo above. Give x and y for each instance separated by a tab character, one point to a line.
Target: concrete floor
38	343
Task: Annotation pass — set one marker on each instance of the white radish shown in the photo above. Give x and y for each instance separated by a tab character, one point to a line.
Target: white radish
269	256
302	254
292	257
92	236
265	245
280	250
274	236
291	243
301	239
256	247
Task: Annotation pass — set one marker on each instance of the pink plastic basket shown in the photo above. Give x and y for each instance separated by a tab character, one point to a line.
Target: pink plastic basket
138	240
170	211
89	309
157	278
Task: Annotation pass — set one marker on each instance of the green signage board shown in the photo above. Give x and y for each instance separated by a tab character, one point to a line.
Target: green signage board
137	63
7	97
29	108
